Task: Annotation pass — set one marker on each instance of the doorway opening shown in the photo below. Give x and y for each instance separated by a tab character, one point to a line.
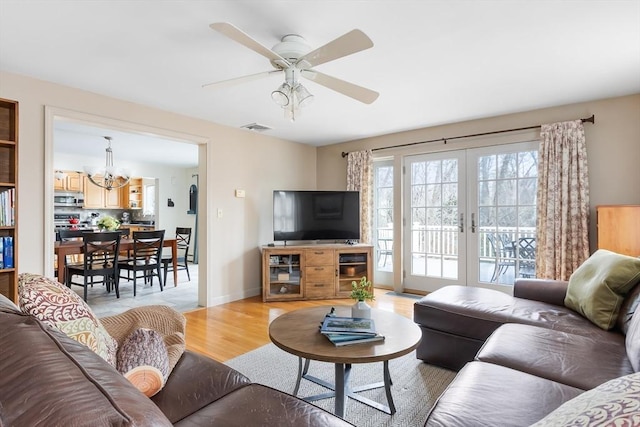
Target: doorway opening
56	118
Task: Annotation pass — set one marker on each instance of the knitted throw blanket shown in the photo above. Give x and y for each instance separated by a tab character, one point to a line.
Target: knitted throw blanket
160	318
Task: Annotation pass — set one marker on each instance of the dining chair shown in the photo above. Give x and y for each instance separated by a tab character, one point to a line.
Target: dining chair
183	239
100	252
125	233
526	248
66	236
145	258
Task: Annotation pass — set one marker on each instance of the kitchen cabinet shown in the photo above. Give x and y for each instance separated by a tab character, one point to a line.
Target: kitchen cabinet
138	227
96	197
133	191
72	181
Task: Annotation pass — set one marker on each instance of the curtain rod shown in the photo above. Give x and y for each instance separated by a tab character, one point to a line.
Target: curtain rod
591	119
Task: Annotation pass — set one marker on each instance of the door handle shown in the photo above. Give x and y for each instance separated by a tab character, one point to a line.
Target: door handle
473	222
461	222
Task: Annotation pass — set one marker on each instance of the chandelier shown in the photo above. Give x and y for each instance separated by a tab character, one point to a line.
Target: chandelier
291	95
108	177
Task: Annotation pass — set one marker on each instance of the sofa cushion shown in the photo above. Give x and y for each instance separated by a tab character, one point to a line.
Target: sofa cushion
597	288
482	395
259	405
61	308
628	308
632	341
580	361
614	403
144	361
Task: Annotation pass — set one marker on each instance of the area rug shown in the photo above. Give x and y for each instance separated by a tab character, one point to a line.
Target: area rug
415	388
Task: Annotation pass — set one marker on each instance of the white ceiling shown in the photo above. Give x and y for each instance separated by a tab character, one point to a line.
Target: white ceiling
433	62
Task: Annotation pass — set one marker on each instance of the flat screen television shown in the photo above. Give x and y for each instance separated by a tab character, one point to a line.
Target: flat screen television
316	215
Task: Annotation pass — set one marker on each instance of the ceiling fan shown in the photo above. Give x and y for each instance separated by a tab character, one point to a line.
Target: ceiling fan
295	58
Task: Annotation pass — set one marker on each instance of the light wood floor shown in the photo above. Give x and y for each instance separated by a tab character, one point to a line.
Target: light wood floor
229	330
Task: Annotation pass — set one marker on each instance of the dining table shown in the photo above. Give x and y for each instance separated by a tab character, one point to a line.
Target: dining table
71	247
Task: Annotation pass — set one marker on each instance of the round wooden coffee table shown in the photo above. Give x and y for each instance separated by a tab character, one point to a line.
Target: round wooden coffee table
297	332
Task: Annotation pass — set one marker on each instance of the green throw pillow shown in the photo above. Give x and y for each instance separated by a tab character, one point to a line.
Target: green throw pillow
598	287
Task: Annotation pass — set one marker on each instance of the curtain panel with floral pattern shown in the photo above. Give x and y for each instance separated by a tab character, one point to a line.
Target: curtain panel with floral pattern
360	178
563	200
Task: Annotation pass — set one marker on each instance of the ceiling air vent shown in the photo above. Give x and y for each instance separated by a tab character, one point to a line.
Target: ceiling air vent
256	127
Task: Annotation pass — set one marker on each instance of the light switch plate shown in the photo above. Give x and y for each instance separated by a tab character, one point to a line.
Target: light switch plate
239	193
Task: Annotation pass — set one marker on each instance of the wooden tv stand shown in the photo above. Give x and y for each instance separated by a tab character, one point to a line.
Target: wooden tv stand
320	271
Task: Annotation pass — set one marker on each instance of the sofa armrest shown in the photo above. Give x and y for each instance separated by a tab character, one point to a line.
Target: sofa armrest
544	290
196	382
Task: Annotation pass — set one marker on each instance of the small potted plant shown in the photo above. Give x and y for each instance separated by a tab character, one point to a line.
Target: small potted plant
108	223
361	292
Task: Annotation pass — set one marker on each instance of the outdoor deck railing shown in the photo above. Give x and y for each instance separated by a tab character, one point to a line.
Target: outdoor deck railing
444	240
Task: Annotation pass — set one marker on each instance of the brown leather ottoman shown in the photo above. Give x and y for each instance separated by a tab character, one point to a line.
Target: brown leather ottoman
455	322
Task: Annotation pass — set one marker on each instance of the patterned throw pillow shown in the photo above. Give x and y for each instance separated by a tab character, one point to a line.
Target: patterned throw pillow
61	308
614	403
143	360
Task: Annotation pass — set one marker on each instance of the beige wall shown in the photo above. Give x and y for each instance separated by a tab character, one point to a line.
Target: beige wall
234	158
613	145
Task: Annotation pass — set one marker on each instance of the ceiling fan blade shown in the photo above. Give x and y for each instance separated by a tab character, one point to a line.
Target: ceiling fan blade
238	80
356	92
239	36
351	42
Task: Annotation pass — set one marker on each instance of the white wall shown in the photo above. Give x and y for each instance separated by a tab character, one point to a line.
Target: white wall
233	158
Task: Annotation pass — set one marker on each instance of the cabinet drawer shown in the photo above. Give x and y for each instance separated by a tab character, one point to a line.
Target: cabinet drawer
319	274
319	289
319	257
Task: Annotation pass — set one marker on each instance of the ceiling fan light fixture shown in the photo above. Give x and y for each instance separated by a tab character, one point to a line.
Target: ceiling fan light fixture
303	97
282	95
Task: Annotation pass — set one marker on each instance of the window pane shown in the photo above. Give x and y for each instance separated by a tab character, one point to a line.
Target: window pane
506	192
434	195
507	165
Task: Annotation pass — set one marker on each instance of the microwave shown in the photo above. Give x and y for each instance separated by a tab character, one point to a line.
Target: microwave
68	199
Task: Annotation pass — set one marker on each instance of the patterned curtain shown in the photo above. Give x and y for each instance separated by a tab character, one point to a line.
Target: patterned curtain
360	178
563	200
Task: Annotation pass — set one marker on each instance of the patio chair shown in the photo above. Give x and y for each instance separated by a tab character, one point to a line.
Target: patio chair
526	256
504	251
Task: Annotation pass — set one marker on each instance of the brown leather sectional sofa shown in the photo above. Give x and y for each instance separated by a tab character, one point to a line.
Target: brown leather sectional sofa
47	379
519	358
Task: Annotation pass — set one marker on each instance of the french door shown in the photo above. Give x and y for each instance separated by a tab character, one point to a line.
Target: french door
469	217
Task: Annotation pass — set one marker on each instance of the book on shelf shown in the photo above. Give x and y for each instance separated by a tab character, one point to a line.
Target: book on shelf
8	251
348	325
340	340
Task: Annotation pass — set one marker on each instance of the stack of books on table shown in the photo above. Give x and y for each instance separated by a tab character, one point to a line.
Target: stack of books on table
349	330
